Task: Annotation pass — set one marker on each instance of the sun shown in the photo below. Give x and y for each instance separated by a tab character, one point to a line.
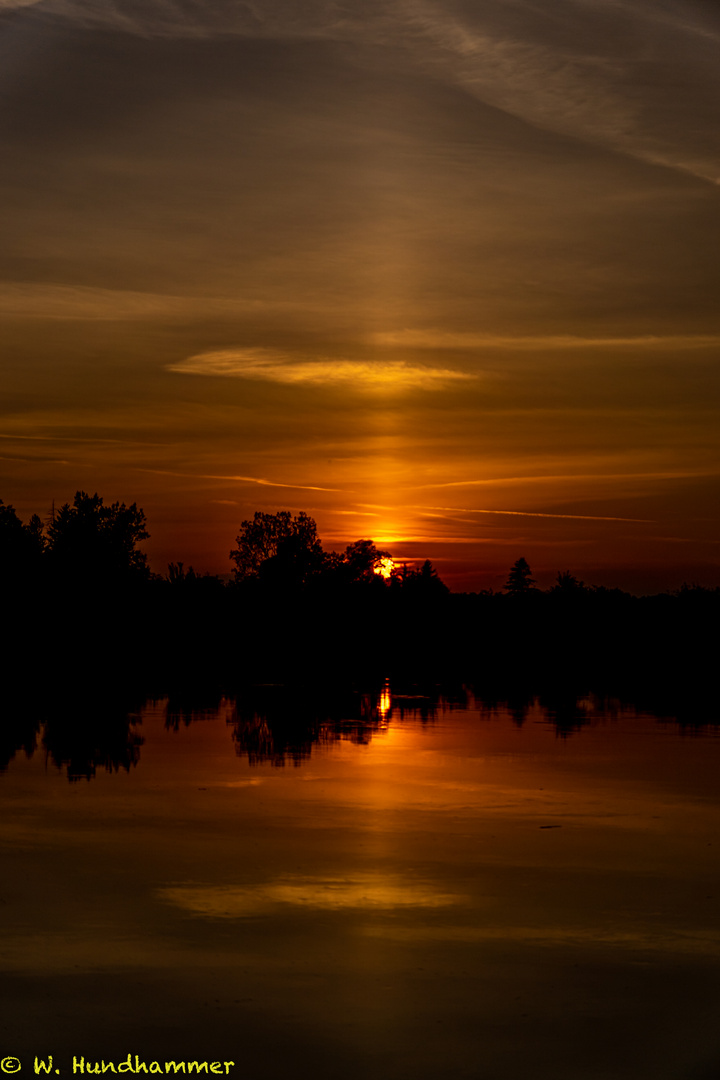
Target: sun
385	567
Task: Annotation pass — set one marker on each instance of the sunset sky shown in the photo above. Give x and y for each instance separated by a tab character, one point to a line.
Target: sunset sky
445	275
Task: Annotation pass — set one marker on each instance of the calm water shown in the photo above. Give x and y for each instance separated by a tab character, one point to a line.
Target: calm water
401	891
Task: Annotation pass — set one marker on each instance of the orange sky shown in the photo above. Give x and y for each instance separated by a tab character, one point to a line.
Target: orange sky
445	276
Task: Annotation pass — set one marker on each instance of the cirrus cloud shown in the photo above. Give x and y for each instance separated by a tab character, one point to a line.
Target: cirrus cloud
274	366
452	339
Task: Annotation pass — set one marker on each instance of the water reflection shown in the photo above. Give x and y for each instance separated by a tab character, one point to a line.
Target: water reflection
82	733
282	724
385	702
18	733
361	891
443	884
85	736
77	733
187	706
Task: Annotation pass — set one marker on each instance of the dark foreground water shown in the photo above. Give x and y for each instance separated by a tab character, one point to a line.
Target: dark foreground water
408	891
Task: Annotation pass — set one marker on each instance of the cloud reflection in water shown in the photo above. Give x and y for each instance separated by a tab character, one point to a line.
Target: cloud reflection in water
325	893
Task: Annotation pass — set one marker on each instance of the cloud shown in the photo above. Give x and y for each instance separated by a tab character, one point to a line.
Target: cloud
531	513
86	302
580	84
356	513
542	84
563	72
34	459
236	479
440	339
198	19
274	366
674	474
75	439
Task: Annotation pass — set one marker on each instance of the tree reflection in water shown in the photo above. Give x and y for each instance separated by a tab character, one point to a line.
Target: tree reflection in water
18	731
280	724
78	733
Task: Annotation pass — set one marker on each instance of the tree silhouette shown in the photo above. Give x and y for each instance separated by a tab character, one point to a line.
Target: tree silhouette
567	584
178	576
277	545
423	583
89	541
21	546
520	579
429	579
360	561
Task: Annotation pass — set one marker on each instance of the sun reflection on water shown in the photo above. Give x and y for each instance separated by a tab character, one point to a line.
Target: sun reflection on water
384	707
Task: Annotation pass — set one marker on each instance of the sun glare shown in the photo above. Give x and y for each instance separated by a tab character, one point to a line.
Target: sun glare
385	567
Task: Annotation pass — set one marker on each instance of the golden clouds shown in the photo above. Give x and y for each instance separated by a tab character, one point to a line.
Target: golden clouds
387	376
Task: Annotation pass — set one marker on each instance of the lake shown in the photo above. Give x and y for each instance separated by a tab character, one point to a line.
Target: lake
365	885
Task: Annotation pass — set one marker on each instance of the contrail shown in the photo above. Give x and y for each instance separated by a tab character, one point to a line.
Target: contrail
240	479
535	513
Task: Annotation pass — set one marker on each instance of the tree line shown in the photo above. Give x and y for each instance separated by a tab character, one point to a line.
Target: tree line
89	541
80	600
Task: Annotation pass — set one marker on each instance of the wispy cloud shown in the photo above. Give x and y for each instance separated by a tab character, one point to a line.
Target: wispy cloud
535	514
356	513
34	459
236	479
274	366
47	300
442	339
672	474
12	437
572	87
193	19
551	88
563	73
